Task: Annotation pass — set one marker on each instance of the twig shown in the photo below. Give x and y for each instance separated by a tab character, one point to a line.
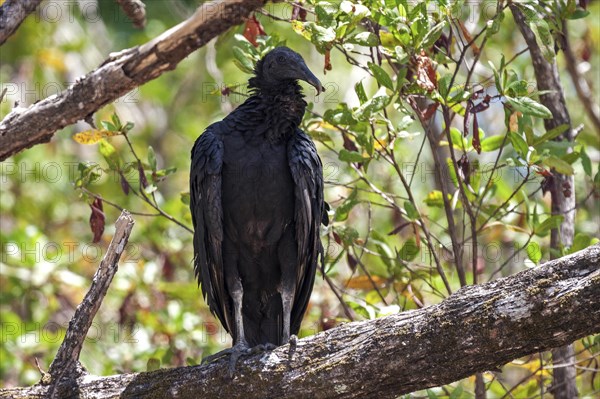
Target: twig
66	363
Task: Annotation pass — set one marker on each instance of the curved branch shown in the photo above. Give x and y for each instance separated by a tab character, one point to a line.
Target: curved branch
122	72
477	328
12	15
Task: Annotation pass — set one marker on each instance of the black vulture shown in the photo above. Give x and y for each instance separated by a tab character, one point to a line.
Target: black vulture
256	189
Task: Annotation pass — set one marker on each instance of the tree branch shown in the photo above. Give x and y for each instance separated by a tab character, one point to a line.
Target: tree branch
12	15
477	328
122	72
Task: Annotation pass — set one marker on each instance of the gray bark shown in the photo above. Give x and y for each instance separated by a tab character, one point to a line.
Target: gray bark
477	328
24	128
12	15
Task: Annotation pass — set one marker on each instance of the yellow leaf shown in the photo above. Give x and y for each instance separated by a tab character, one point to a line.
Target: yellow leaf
92	136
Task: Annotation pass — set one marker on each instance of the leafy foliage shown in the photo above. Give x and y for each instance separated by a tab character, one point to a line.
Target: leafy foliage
433	143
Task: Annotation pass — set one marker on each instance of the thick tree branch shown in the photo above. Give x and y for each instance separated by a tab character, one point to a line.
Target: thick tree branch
23	128
477	328
12	15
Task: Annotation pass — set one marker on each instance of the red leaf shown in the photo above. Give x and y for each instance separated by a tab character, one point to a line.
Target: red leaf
97	219
352	262
298	12
349	144
431	108
337	238
143	180
124	184
426	78
327	66
464	168
252	30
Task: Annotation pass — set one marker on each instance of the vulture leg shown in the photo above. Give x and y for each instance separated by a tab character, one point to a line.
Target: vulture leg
288	258
240	346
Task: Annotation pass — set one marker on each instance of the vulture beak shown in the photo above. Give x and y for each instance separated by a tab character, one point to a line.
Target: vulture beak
307	76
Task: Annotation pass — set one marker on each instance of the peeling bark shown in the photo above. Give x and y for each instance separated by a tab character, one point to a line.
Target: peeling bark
122	72
477	328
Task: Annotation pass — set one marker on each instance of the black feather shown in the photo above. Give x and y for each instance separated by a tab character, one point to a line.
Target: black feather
256	187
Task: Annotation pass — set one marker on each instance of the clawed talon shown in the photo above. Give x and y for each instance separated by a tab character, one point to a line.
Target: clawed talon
293	345
242	349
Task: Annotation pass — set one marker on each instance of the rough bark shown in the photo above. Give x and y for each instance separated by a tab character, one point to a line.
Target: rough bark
66	361
477	328
12	15
122	72
562	187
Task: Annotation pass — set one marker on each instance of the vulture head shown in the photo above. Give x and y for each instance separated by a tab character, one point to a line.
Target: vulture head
282	66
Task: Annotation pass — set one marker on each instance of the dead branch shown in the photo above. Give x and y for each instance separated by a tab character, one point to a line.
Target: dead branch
122	72
478	328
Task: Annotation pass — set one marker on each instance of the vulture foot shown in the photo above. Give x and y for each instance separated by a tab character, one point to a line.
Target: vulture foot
242	349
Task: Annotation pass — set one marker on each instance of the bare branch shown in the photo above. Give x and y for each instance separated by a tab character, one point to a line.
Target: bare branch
23	128
67	357
478	328
12	15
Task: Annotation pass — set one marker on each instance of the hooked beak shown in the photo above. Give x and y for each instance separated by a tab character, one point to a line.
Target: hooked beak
307	76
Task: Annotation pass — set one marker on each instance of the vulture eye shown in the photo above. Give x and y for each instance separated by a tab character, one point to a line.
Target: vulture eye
281	59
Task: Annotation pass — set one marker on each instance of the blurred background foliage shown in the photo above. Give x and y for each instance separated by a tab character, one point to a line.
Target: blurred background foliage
377	262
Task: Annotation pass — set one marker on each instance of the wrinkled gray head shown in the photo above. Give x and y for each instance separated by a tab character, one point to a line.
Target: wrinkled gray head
282	66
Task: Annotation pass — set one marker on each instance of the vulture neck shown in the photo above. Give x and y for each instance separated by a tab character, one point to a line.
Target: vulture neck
283	107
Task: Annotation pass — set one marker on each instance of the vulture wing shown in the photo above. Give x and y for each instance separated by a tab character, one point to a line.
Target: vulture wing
307	172
207	217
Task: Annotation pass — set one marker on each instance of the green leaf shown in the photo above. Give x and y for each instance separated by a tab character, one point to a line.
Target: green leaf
435	199
116	121
551	134
543	36
411	211
586	162
153	364
579	13
351	156
581	241
534	252
409	250
492	143
433	35
109	153
381	75
552	222
529	106
375	104
559	165
244	63
108	126
519	144
367	39
342	211
151	158
431	394
360	92
185	197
